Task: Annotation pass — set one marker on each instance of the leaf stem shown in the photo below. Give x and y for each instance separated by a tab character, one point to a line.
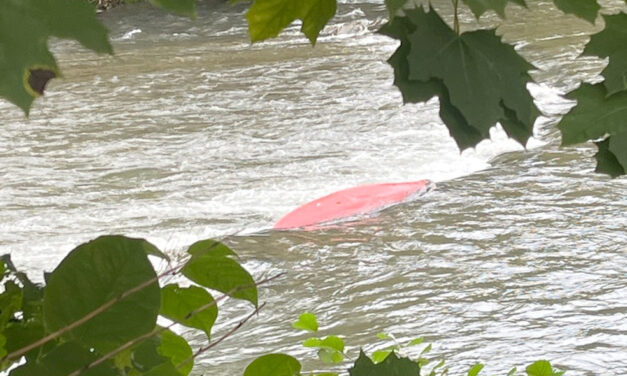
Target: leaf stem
162	329
456	16
42	341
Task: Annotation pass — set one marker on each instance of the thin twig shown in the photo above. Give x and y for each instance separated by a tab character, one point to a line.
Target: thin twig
87	317
159	330
225	336
18	353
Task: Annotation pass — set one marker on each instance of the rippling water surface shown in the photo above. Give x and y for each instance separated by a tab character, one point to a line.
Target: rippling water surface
191	132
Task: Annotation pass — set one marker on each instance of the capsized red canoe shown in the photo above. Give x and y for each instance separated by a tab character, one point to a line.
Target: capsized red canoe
351	202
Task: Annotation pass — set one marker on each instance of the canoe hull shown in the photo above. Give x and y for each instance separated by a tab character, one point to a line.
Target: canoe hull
352	202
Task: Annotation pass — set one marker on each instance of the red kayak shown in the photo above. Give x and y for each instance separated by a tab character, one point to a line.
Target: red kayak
351	202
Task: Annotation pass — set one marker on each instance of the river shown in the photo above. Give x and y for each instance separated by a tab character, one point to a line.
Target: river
190	132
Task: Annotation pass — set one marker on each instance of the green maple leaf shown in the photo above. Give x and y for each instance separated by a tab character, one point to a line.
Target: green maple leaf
595	114
607	161
414	91
612	42
267	18
478	7
26	62
585	9
393	6
391	366
479	79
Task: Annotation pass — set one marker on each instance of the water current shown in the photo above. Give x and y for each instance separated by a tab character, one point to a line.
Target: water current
190	132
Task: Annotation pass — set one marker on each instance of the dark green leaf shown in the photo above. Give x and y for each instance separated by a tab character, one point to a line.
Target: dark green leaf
595	114
479	7
65	359
10	302
152	250
180	7
176	348
25	27
178	303
391	366
607	162
267	18
95	273
540	368
223	274
476	62
481	73
611	42
585	9
414	91
306	321
393	6
273	365
474	371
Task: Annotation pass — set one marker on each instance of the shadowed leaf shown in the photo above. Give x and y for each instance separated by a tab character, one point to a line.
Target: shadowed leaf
584	9
391	366
611	42
93	274
479	7
595	114
26	26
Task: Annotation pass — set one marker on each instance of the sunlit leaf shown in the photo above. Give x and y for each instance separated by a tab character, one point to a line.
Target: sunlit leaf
585	9
380	355
333	342
416	341
391	366
93	274
330	356
426	350
180	7
221	273
210	247
273	365
474	371
595	114
540	368
611	42
267	18
312	342
26	26
479	7
512	372
382	335
178	304
306	321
